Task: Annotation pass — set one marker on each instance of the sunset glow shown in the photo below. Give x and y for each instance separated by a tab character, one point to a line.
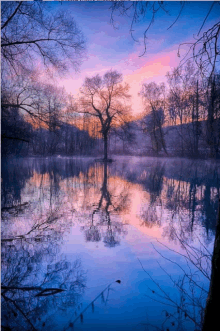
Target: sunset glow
110	145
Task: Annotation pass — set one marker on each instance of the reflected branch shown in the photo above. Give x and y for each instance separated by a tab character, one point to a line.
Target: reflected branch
109	204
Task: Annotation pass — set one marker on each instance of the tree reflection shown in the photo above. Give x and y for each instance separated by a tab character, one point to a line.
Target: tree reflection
183	195
42	228
210	207
110	205
38	284
193	202
34	289
153	183
14	176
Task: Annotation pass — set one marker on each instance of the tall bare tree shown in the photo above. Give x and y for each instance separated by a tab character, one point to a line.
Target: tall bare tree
154	102
106	100
185	106
213	116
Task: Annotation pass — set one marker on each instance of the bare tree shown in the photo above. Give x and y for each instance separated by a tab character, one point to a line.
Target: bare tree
40	103
185	106
35	38
31	34
55	102
204	49
105	99
213	115
153	97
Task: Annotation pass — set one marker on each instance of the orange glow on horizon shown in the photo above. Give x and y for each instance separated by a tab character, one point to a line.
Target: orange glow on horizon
153	69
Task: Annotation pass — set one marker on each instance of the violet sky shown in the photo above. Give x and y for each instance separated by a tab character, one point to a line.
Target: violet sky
109	48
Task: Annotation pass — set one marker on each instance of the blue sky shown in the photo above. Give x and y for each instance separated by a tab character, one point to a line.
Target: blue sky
109	48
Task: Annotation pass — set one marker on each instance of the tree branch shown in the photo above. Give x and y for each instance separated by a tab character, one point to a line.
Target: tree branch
13	14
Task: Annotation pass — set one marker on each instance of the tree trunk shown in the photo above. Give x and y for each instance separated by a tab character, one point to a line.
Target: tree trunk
211	316
197	119
105	137
210	120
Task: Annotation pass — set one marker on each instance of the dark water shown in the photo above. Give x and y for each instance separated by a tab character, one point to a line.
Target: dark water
72	227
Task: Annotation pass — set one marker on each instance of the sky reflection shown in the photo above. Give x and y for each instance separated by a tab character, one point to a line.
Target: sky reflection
107	217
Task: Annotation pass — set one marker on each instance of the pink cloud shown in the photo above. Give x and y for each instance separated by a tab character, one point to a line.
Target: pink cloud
152	70
136	70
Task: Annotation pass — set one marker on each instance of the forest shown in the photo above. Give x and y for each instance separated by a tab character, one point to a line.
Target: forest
180	119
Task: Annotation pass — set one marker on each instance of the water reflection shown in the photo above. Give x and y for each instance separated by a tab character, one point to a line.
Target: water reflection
182	188
182	194
178	196
44	200
109	205
153	183
36	285
14	179
16	173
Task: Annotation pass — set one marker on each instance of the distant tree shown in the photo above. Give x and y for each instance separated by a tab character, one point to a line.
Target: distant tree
180	82
64	140
105	98
213	116
196	116
16	133
37	103
54	100
185	105
125	134
153	98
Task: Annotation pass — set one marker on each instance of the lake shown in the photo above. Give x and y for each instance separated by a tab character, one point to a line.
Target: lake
131	240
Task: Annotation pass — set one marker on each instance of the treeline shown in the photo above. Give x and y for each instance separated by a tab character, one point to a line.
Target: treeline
190	104
20	138
38	45
181	118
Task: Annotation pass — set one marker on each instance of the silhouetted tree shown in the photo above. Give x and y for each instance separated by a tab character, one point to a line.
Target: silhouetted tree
211	311
30	33
213	116
105	99
204	50
153	97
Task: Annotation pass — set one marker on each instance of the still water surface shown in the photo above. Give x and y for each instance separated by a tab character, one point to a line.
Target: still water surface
78	226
